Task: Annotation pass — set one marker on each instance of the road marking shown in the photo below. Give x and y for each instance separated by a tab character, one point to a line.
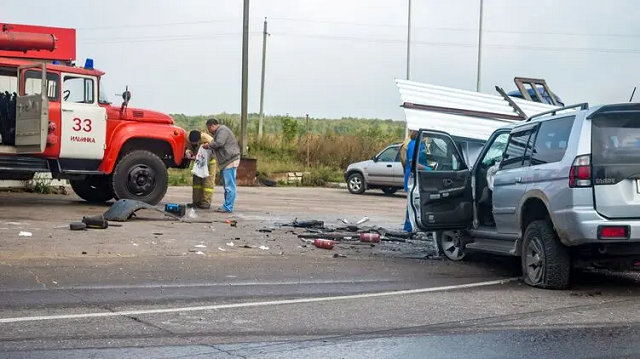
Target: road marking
200	285
254	304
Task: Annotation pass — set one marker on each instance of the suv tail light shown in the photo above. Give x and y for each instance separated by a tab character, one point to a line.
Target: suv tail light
613	232
580	173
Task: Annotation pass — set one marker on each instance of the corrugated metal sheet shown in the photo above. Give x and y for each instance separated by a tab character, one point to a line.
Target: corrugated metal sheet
459	125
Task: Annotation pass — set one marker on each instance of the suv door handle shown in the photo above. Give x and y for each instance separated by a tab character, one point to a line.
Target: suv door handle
389	166
518	179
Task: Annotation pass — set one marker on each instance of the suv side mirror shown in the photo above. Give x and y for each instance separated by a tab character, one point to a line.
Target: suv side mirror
374	159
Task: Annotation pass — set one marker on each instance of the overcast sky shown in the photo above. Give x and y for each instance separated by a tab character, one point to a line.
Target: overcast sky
335	58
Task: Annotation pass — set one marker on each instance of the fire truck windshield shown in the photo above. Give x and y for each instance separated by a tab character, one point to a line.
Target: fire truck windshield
102	94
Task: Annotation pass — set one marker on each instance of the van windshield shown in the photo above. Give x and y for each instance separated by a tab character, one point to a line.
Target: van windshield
615	138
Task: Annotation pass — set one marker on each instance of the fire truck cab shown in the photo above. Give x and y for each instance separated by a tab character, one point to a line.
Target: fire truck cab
55	117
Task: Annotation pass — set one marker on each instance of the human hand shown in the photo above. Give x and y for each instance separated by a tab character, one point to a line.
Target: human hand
189	154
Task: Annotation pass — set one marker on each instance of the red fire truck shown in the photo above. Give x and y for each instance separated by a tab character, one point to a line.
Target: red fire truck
55	117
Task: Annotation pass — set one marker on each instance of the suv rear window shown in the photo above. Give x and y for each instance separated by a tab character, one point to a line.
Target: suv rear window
615	138
551	141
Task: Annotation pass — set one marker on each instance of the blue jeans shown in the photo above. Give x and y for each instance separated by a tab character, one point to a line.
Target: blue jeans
407	223
229	183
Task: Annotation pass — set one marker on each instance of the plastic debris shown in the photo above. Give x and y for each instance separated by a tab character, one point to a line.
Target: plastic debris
200	246
370	237
264	248
246	246
221	249
192	213
25	234
200	252
230	244
339	255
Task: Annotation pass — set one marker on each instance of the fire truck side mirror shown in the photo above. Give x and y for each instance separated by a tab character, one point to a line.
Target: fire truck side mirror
126	96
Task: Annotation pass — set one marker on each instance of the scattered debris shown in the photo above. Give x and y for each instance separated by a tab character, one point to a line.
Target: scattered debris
265	230
324	243
158	233
123	209
200	252
370	237
25	234
77	226
84	252
222	249
13	223
339	255
200	246
192	213
264	248
305	224
231	222
97	222
246	246
230	244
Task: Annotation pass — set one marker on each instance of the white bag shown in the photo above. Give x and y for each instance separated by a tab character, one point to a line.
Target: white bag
201	163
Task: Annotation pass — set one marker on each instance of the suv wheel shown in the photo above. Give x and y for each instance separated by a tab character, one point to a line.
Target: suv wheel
355	183
546	262
450	244
389	190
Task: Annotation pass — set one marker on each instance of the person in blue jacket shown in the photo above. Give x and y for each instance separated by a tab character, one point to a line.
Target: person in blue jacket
408	169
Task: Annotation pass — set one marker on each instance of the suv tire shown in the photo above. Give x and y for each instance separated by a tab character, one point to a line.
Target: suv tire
546	263
142	176
451	245
355	183
96	189
389	190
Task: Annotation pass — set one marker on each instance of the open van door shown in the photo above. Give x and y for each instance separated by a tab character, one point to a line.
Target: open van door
32	113
441	195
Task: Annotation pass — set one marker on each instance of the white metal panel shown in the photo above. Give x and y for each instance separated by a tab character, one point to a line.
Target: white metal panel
459	125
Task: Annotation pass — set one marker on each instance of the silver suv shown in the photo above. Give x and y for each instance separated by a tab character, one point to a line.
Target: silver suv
566	193
383	171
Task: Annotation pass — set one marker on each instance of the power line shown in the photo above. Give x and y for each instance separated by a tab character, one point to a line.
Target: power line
465	45
362	24
158	24
159	38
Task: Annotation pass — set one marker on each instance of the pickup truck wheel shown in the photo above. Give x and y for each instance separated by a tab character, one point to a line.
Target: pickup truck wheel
450	244
96	189
142	176
355	183
546	263
389	190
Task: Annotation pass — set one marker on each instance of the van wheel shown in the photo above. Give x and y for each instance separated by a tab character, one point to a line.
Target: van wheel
355	183
141	176
546	263
450	244
96	189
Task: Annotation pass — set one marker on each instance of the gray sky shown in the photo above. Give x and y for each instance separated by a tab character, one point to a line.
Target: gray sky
334	58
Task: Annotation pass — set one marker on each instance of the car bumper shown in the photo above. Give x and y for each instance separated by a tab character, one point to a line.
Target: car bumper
579	226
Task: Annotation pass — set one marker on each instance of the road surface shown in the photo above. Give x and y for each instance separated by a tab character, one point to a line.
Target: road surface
158	289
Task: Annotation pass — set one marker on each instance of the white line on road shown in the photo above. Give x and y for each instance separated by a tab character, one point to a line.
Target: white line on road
253	304
200	285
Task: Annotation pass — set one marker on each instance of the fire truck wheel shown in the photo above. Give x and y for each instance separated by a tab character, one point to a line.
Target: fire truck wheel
142	176
93	188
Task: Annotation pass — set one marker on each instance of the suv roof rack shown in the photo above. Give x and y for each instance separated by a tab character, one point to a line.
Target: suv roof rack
582	106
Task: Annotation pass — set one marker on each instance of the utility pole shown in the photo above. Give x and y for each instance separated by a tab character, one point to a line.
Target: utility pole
406	124
245	79
480	47
264	59
308	141
409	42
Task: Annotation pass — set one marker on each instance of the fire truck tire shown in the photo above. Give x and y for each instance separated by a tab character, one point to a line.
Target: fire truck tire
95	189
142	176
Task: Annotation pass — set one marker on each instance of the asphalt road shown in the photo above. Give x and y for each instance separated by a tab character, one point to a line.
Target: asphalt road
163	300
